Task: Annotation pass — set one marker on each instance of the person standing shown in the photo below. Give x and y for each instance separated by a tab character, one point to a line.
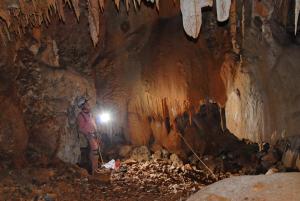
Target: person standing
87	126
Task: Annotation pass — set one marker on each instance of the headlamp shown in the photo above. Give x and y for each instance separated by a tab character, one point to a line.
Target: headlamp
104	117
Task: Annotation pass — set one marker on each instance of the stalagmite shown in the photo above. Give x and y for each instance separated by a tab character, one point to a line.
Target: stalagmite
297	10
223	9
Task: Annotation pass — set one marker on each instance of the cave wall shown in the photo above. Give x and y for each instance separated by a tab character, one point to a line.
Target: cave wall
43	73
150	71
263	97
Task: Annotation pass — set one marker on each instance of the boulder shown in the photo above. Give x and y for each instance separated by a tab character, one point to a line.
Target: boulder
156	155
140	154
155	147
272	171
270	159
298	162
55	133
165	154
176	161
44	137
193	159
274	187
125	150
209	161
291	156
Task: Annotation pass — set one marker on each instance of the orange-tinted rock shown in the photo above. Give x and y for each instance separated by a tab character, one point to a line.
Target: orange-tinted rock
45	137
13	133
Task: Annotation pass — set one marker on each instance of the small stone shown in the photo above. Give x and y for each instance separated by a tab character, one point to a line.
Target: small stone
272	171
140	154
125	150
269	159
188	167
165	154
129	162
193	159
50	197
42	175
156	147
176	160
156	155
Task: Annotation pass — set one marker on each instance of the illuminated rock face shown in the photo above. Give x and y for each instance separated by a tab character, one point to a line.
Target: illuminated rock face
157	76
263	97
148	72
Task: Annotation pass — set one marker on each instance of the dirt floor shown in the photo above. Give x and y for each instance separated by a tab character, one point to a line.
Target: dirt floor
161	176
150	180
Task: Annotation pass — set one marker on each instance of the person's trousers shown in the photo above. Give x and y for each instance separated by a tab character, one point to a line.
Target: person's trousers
94	151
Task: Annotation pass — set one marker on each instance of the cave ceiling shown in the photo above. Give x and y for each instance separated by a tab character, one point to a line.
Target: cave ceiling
16	15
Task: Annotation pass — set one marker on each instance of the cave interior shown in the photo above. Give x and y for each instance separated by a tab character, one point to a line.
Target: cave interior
192	99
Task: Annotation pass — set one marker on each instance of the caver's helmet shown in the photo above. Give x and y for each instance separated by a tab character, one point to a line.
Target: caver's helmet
81	101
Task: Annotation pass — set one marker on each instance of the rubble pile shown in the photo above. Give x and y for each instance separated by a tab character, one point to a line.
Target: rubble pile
142	176
162	177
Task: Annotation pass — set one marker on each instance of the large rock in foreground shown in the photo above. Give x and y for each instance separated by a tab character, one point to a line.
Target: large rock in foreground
276	187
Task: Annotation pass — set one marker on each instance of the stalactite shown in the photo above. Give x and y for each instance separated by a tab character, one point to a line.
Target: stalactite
233	28
157	4
297	10
127	4
94	23
243	21
101	4
33	13
4	14
134	4
76	8
191	16
60	9
223	9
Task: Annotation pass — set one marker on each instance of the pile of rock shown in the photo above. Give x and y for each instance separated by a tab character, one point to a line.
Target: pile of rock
162	172
162	175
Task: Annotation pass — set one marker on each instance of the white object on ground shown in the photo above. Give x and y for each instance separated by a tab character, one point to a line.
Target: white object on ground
110	164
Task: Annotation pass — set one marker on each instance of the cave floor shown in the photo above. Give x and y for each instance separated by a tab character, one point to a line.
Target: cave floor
150	180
